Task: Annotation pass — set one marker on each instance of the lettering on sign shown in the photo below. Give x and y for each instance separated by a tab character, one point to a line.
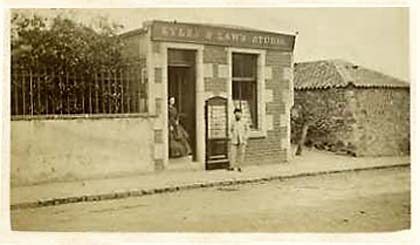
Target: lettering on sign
166	31
217	125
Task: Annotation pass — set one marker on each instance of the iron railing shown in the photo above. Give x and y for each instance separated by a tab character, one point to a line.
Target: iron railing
50	92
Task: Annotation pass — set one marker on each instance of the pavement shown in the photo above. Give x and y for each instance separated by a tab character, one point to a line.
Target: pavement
312	163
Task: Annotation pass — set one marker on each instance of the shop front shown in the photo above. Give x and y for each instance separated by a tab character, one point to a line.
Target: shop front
198	74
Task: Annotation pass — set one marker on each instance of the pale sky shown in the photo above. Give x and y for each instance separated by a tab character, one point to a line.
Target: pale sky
376	38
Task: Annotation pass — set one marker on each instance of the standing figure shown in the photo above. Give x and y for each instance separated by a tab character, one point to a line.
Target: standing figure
238	141
178	137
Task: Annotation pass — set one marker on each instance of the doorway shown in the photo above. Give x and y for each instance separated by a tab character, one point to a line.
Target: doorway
182	87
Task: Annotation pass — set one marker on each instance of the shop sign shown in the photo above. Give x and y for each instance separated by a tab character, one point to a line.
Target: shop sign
207	34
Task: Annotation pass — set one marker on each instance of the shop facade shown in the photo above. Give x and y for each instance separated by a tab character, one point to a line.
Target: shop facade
195	63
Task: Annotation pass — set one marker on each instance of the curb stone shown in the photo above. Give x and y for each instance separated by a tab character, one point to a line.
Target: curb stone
143	192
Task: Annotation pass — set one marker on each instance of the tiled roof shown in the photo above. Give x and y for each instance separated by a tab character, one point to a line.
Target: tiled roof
338	73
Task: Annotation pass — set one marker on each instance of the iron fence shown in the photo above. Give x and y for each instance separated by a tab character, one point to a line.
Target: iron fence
50	92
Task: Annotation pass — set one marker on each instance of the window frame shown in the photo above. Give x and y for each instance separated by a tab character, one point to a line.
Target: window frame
261	130
247	83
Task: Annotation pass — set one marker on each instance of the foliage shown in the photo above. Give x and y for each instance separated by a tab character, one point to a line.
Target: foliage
66	58
62	44
323	112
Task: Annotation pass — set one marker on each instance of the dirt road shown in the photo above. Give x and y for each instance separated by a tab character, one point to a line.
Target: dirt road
375	200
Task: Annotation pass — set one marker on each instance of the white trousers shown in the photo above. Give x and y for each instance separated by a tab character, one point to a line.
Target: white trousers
237	155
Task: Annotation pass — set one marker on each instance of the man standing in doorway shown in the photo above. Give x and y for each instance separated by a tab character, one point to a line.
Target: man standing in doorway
239	137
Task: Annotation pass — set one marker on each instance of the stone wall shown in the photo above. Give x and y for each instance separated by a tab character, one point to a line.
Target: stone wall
362	121
334	119
383	121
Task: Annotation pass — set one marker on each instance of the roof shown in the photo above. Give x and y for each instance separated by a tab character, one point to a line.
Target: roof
338	74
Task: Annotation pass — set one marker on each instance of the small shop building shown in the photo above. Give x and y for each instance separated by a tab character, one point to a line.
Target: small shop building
208	69
367	112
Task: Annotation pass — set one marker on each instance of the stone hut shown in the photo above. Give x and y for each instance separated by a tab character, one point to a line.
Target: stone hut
368	112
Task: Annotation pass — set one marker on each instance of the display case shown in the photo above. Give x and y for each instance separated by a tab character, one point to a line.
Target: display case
217	136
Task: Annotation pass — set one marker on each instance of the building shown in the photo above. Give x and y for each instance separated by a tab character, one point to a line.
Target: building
209	69
368	112
194	62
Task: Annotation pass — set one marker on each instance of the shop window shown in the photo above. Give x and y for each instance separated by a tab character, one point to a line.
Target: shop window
244	86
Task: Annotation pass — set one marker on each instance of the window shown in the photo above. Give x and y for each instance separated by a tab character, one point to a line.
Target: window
244	87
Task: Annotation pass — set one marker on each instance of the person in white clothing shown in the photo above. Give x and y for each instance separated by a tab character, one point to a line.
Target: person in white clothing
238	140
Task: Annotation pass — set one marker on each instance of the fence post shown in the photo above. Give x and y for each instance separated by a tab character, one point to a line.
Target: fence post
38	81
15	80
45	90
31	94
82	83
90	96
96	92
102	91
75	93
127	73
121	83
110	99
115	100
67	92
23	93
54	89
138	89
60	81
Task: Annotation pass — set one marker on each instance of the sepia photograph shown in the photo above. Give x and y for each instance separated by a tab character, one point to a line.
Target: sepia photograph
240	120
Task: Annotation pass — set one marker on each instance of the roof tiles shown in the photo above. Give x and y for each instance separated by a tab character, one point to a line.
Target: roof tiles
325	74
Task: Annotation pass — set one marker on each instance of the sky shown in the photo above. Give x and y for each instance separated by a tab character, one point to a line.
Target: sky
377	38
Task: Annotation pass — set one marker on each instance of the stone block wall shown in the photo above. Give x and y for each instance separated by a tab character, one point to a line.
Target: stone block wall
363	121
275	147
382	121
215	65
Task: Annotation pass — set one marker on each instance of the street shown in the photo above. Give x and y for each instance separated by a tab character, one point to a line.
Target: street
366	201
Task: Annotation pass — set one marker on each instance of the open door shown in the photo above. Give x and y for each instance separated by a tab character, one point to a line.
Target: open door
182	86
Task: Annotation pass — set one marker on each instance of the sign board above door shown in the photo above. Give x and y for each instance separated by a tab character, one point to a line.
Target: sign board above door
219	35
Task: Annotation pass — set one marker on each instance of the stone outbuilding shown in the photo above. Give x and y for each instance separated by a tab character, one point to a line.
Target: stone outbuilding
367	112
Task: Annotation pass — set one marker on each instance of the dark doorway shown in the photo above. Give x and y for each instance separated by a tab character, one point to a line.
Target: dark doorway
181	86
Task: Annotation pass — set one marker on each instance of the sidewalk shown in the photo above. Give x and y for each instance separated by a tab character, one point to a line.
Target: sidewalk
311	163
